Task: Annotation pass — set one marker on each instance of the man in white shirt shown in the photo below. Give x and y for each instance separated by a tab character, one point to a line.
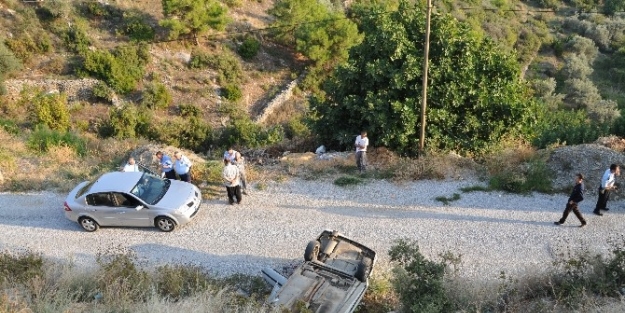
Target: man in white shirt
361	151
231	178
131	166
182	166
607	185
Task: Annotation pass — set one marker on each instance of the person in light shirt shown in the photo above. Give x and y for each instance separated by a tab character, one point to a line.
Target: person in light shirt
130	166
607	185
361	151
232	181
182	166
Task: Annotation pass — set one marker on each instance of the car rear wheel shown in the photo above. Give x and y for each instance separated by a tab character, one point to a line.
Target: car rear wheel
88	224
362	272
312	250
165	224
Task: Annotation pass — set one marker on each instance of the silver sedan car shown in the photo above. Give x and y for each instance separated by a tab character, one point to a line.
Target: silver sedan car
133	199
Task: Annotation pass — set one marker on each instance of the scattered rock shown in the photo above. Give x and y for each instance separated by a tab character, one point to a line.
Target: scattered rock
589	159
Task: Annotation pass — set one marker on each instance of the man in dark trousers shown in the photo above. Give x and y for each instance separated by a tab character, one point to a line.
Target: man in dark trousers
607	185
577	195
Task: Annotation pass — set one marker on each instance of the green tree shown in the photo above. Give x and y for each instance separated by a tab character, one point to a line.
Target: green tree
50	110
193	17
475	94
316	30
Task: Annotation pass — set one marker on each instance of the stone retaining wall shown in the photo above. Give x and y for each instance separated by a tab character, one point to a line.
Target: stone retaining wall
75	89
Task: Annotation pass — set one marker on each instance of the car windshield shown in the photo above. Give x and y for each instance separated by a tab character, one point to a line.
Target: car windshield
150	188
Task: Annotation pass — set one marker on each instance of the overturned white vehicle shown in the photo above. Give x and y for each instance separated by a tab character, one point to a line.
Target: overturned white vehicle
333	278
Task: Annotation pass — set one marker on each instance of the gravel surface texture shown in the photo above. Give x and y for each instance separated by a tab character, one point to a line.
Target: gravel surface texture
492	231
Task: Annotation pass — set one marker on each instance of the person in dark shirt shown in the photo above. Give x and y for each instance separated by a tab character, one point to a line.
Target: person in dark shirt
577	195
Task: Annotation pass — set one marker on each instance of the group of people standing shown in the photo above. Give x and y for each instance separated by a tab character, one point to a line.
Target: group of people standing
178	169
608	184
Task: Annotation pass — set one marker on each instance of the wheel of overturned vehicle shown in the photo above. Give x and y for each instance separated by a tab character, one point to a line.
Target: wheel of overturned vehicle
362	272
88	224
165	224
312	250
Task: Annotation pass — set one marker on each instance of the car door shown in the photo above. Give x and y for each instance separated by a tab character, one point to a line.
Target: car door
100	206
127	213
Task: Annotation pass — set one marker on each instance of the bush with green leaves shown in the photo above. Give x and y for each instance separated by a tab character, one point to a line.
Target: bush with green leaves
9	126
8	63
193	17
29	43
189	110
188	132
20	267
244	132
120	278
419	282
126	121
156	96
134	26
228	67
231	92
121	68
51	110
76	39
102	91
43	138
532	176
177	282
249	48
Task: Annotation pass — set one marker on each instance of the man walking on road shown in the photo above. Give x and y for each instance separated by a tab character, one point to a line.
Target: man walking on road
577	196
361	151
607	185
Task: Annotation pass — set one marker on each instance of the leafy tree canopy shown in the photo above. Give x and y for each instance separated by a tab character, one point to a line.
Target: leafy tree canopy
475	94
193	17
316	30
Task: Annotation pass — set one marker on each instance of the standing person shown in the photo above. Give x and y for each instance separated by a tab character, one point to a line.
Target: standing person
240	164
361	151
577	195
130	166
231	154
182	166
166	165
231	181
607	185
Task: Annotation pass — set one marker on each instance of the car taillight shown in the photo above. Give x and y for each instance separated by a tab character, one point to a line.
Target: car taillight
66	207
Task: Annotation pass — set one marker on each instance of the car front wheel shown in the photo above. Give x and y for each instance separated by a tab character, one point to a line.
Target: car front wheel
165	224
312	250
88	224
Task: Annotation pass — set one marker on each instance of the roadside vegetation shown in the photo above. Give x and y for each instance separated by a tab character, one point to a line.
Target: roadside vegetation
579	281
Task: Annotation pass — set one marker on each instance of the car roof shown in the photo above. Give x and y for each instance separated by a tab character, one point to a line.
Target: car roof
116	181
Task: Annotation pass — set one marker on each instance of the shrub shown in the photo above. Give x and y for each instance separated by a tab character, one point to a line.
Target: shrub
121	69
43	138
534	175
232	92
249	48
119	279
55	9
176	282
135	27
20	267
156	96
188	110
51	110
102	91
76	39
9	126
8	63
27	44
244	132
417	280
225	63
126	121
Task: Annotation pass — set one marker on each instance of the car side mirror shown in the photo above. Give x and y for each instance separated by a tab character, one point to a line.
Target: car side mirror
139	207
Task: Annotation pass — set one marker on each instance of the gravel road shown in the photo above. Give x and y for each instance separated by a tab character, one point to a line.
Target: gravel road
492	231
